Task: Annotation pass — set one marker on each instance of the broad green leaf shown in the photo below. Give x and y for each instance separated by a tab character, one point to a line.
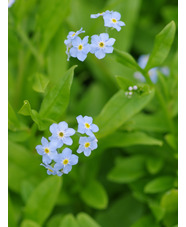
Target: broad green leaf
49	19
124	83
84	219
124	211
146	221
43	199
162	46
23	165
119	109
11	214
172	141
160	184
69	221
94	195
13	122
29	223
154	165
125	139
27	111
40	82
55	220
157	210
126	59
56	100
19	136
26	190
169	201
127	169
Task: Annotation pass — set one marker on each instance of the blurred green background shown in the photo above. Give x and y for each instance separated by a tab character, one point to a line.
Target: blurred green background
131	179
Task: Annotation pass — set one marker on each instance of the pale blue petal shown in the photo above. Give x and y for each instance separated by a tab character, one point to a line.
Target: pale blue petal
121	23
70	132
79	118
46	159
62	126
110	42
85	40
80	149
83	140
93	145
117	27
67	169
66	152
89	132
95	39
116	15
104	36
142	61
44	142
93	48
108	50
81	56
86	49
73	52
73	159
87	152
67	141
76	41
88	119
94	128
58	166
81	128
40	149
53	128
100	54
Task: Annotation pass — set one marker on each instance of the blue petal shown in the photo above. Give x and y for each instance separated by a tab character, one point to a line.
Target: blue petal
62	126
110	42
80	149
46	159
121	23
81	56
95	39
100	54
104	36
66	152
44	142
88	119
94	128
116	15
85	40
93	145
58	166
70	132
79	118
83	140
40	149
67	141
67	169
53	128
76	41
87	152
73	52
73	159
81	128
108	50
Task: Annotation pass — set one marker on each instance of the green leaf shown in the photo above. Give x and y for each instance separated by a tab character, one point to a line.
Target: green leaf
146	221
56	100
126	59
84	219
26	190
23	165
154	165
172	141
125	139
124	83
124	211
162	46
128	169
50	15
160	184
69	221
27	111
119	109
94	195
169	201
13	122
43	199
40	83
29	223
11	214
157	210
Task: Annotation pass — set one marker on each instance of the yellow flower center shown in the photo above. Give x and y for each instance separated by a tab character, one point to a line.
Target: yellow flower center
80	47
61	134
87	144
87	125
114	20
73	34
65	161
47	150
101	44
50	170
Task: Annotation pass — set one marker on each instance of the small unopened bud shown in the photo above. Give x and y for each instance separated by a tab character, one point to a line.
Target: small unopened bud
130	88
135	87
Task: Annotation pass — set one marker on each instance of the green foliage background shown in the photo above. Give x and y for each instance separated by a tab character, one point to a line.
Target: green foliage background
131	179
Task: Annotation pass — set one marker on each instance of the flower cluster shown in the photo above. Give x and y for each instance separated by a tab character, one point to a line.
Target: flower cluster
100	44
131	90
153	73
59	163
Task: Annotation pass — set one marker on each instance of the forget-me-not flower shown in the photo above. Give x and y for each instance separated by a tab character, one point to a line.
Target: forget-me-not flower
87	144
101	45
153	73
47	150
85	125
100	14
80	48
65	160
52	170
10	2
71	35
112	20
61	133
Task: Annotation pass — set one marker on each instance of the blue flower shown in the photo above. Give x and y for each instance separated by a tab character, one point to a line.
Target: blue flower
51	170
80	48
153	73
87	144
100	14
65	160
85	125
101	45
61	133
112	20
10	2
47	150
